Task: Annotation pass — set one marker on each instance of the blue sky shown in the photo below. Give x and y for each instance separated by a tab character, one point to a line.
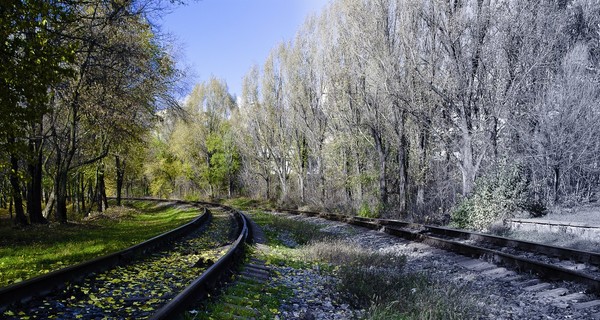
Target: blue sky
225	38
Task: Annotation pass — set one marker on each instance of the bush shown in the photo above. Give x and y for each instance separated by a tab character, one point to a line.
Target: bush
496	197
365	211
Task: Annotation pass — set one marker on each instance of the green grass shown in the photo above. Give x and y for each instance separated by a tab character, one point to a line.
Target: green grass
35	250
247	203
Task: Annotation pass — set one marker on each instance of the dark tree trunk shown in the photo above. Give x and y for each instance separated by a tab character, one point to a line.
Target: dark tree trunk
422	178
382	157
347	175
101	190
120	176
10	208
82	192
20	218
60	185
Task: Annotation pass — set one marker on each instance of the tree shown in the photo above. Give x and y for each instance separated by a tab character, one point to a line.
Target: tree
33	57
122	75
201	140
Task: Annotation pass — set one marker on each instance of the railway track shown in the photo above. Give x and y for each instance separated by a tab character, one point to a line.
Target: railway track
156	279
548	262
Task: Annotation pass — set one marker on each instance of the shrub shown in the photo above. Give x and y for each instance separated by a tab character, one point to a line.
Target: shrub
496	197
365	211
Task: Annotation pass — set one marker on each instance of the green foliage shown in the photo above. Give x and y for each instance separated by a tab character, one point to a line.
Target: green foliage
497	196
34	57
162	168
365	211
202	144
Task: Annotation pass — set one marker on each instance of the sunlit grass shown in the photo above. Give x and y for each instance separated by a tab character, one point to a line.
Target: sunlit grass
243	203
35	250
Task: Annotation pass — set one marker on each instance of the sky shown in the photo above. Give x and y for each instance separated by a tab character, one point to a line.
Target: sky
224	38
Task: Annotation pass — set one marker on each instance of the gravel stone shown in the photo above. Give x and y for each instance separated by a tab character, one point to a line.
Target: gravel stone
314	295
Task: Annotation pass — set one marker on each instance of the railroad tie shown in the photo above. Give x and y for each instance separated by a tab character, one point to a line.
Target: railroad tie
528	283
553	293
538	287
498	273
585	305
573	297
254	274
477	265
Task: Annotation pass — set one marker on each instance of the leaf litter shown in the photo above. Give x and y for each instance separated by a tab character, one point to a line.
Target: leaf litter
137	290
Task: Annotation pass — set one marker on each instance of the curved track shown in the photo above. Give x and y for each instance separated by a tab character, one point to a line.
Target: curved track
550	262
156	279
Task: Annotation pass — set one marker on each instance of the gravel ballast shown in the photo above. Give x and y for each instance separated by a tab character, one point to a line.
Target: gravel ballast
498	293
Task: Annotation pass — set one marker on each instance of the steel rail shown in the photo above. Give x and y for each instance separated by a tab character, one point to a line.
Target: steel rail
203	285
46	283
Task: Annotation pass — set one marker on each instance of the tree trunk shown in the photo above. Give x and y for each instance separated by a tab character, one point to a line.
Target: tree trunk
403	163
34	186
556	185
359	172
382	157
120	176
302	154
101	190
229	186
268	181
60	185
82	192
77	195
422	158
468	165
49	205
10	208
20	218
347	175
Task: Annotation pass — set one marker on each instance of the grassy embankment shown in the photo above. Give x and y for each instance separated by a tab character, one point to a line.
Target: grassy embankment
35	250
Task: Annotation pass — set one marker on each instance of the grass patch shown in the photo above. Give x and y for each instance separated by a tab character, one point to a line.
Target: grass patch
375	281
263	300
283	231
35	250
248	203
